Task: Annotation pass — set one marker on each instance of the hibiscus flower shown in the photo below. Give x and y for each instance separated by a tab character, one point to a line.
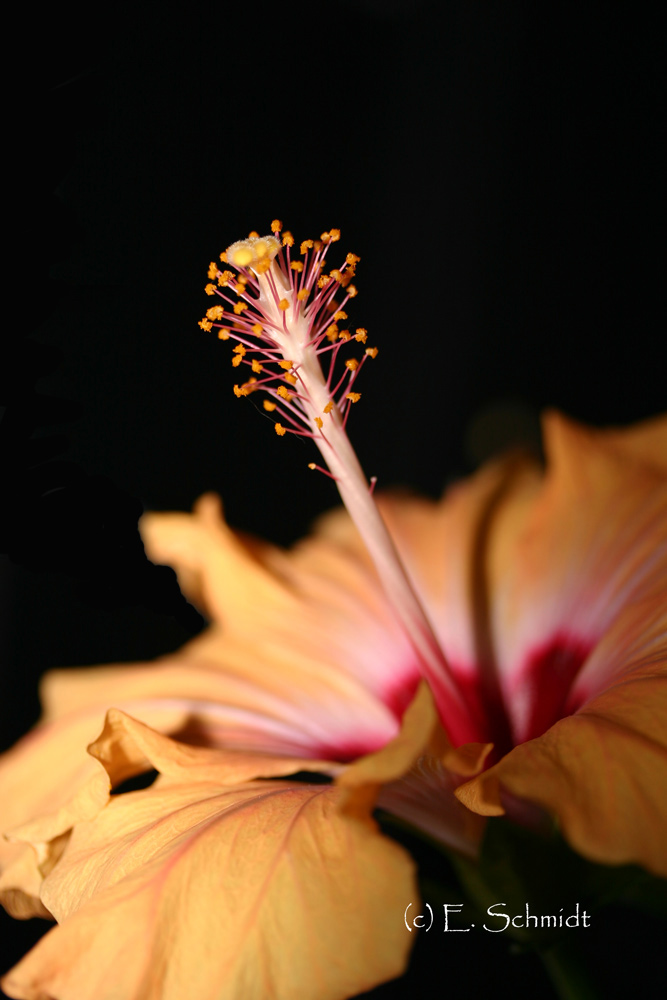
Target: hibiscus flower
447	661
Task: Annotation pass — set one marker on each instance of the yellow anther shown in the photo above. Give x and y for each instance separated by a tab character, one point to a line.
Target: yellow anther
329	407
223	335
239	307
306	246
286	364
352	259
283	305
236	360
253	235
279	429
224	277
213	269
215	312
317	244
311	465
332	332
351	291
334	235
210	289
323	280
297	265
241	257
254	250
205	324
284	392
303	294
268	405
361	335
288	239
352	364
276	226
261	249
256	366
336	275
354	397
340	315
319	422
290	378
344	334
223	257
372	352
238	392
239	349
257	329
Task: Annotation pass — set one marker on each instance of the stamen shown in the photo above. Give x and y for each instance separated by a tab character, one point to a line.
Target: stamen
288	316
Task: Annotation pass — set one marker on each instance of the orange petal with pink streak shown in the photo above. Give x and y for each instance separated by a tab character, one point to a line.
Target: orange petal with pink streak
593	543
318	603
278	892
602	772
47	784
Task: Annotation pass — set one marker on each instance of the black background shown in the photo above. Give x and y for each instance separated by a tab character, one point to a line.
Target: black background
497	167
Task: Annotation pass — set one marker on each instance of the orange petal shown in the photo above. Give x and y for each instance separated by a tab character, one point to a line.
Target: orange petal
47	784
127	747
215	570
317	607
559	576
646	441
410	778
276	892
362	780
424	797
260	691
261	696
602	772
